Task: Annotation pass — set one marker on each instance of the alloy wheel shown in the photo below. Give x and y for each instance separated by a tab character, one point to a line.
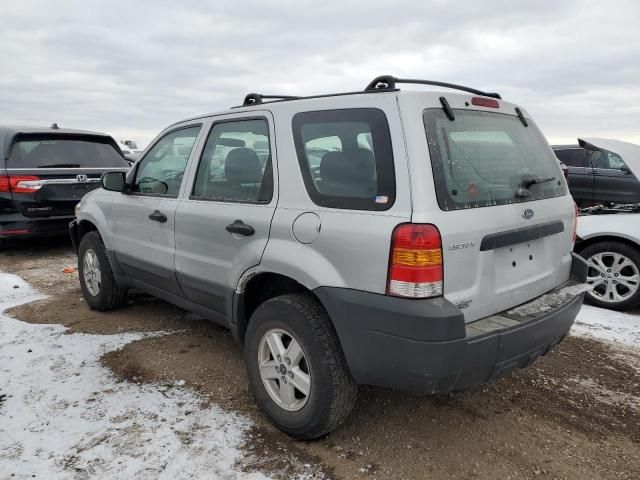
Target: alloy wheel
91	272
284	369
613	276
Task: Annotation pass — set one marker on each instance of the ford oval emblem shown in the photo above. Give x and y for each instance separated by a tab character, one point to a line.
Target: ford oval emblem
527	213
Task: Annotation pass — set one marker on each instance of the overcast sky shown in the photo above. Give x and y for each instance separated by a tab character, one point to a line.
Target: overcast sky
130	68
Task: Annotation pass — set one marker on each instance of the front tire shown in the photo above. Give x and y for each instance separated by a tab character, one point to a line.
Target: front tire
614	274
296	368
99	288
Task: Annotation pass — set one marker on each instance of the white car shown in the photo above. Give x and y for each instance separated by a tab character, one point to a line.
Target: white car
609	239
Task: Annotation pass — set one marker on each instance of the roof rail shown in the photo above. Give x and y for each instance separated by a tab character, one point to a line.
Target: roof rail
384	83
257	98
388	83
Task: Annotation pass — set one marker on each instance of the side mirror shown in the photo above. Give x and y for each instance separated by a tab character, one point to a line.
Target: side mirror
625	169
113	181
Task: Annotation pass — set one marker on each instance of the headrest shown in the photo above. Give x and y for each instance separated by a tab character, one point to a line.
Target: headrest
242	166
366	161
356	166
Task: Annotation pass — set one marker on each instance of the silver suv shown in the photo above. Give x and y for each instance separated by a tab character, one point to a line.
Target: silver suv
413	240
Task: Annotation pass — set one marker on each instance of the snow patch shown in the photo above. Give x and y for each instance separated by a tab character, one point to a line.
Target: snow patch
609	325
603	394
66	416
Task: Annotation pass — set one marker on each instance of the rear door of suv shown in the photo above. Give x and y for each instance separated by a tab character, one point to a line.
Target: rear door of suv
580	173
492	186
222	224
50	172
614	181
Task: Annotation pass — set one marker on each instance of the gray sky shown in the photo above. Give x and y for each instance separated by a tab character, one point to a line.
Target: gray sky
130	68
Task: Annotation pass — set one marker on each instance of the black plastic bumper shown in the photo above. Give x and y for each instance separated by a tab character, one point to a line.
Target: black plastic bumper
425	345
18	226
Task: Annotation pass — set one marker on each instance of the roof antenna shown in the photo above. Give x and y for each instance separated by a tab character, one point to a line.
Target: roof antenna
54	126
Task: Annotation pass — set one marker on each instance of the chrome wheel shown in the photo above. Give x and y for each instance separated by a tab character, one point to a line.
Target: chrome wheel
91	272
613	276
284	369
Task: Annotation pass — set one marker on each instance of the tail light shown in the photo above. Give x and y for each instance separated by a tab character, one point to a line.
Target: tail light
415	262
19	184
576	210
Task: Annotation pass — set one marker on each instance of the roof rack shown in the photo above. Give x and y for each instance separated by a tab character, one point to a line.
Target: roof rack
384	83
257	98
387	83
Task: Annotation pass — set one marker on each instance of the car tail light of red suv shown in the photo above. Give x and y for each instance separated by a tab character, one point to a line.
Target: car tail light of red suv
415	262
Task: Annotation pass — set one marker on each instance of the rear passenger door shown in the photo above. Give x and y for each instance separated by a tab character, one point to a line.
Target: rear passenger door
222	225
614	182
580	173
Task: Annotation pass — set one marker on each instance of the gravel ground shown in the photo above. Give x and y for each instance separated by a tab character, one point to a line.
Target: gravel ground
574	414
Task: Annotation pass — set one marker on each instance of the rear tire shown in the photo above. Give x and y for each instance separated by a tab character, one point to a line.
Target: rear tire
99	287
614	272
330	389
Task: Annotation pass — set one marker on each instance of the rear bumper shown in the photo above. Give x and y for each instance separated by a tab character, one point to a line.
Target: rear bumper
16	225
425	346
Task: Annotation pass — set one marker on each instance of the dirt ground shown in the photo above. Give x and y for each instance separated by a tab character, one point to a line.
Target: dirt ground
574	414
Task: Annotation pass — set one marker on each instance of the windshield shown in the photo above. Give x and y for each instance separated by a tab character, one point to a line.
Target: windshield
65	152
483	158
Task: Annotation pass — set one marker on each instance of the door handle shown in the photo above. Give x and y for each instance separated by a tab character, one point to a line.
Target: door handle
158	216
240	228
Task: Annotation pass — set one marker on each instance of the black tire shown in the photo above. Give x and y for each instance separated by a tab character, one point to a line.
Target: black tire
333	390
612	246
109	296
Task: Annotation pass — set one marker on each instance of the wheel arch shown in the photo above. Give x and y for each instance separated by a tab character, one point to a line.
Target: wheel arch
84	227
256	288
587	242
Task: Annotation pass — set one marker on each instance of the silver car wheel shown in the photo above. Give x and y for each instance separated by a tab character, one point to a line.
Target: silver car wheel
284	369
614	277
91	272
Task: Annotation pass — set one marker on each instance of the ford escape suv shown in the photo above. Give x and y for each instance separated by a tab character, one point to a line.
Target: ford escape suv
44	172
413	240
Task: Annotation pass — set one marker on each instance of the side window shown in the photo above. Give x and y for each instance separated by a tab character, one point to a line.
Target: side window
346	158
161	170
602	159
572	157
615	161
236	163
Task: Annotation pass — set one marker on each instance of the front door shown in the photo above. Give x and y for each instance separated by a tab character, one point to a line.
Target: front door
142	219
222	225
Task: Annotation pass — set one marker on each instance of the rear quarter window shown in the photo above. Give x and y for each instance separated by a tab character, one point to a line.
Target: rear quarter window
346	158
482	159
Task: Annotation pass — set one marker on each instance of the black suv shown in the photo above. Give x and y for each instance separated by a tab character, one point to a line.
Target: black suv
597	175
44	172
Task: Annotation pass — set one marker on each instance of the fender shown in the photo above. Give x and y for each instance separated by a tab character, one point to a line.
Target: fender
297	261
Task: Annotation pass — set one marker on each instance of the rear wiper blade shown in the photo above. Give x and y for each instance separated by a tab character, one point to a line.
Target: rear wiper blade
61	165
523	189
536	181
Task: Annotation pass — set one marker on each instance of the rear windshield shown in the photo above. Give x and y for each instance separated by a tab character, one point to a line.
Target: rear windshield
58	152
482	159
